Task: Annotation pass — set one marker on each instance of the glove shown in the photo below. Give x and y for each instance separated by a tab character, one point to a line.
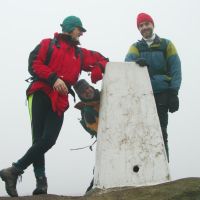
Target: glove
141	62
173	101
96	74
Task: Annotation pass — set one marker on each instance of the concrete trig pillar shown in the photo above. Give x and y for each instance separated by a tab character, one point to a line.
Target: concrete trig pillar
130	149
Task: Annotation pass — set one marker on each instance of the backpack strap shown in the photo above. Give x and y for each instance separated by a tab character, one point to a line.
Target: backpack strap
71	91
158	46
78	52
53	42
33	55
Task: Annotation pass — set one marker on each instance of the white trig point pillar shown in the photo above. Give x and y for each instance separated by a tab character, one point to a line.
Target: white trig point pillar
130	149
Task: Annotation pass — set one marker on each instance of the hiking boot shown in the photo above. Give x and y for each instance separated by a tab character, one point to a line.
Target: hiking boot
9	176
41	185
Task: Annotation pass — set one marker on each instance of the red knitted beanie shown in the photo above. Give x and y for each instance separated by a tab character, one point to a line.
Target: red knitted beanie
143	17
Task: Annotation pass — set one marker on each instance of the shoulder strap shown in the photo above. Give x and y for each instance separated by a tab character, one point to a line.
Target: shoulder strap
78	51
50	50
162	46
141	46
159	45
34	53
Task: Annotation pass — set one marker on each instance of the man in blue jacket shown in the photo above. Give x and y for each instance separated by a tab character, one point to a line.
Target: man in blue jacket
164	67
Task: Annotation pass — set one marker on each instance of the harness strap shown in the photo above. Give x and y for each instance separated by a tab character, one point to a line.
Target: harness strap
71	91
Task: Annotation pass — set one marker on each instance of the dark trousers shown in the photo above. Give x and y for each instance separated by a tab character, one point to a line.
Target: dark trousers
46	126
161	100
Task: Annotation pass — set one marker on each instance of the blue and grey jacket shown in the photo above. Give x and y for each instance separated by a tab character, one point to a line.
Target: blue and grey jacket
164	65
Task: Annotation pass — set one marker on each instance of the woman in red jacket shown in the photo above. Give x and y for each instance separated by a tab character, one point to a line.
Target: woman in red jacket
55	65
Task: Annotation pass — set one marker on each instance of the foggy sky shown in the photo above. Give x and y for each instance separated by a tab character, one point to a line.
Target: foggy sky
111	29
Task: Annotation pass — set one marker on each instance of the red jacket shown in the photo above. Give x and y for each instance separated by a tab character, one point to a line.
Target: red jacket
65	63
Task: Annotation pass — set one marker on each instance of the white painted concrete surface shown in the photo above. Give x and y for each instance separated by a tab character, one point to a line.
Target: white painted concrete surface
130	149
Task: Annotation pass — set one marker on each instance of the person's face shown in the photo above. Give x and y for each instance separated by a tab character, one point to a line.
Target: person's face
88	93
146	29
76	33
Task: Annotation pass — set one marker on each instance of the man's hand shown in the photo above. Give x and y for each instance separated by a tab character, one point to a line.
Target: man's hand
141	62
96	74
60	86
173	101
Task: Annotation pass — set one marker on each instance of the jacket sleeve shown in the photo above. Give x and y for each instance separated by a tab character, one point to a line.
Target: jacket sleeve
37	66
91	59
132	54
174	64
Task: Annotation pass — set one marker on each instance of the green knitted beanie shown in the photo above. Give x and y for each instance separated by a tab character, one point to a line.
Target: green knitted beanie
69	23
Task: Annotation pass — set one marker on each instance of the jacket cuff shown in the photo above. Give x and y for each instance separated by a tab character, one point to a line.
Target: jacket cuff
101	67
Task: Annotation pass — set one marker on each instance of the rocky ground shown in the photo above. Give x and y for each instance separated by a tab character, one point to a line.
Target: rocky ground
183	189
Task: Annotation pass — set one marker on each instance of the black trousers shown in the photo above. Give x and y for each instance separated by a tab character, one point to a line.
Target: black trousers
161	100
46	126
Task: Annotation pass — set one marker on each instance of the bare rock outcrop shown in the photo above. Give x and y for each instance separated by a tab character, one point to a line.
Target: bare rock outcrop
182	189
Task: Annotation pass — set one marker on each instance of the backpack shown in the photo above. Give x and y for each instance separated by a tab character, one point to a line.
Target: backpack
89	117
90	131
33	55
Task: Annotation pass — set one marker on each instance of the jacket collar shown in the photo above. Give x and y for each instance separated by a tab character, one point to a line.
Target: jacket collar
157	40
66	38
